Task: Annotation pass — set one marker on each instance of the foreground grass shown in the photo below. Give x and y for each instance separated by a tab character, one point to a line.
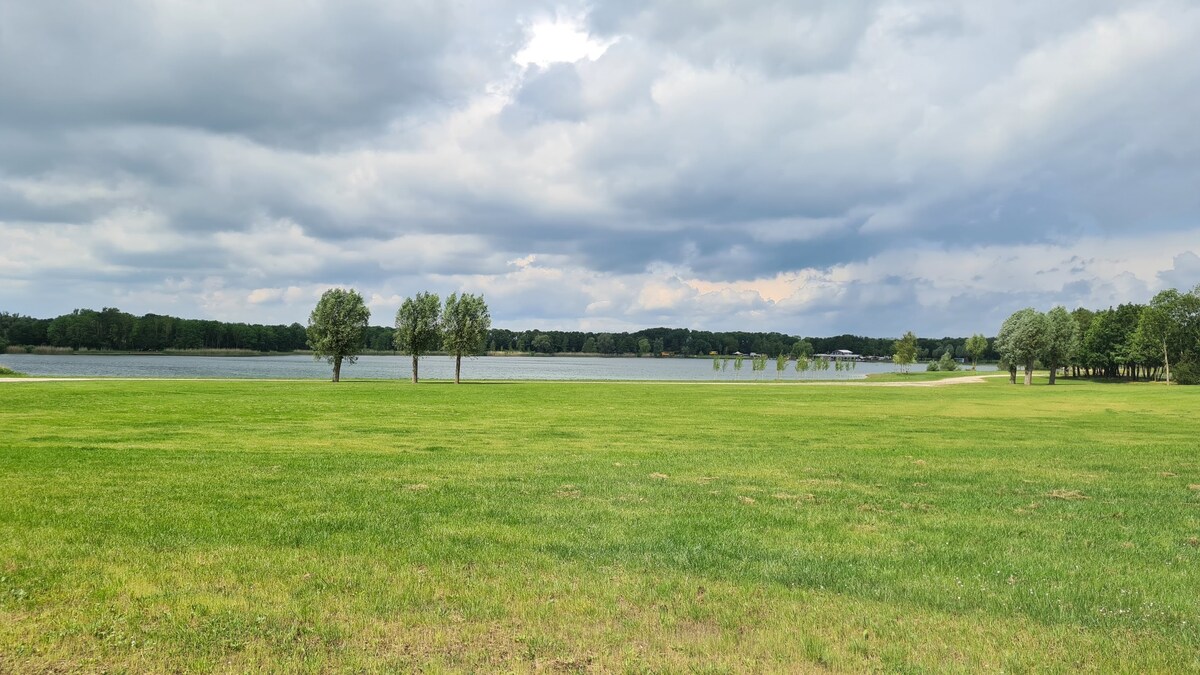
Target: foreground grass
372	526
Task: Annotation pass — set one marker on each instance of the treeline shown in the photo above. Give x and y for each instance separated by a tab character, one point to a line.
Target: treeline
1155	341
111	329
686	342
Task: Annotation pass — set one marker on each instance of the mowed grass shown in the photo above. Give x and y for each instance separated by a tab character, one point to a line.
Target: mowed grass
377	526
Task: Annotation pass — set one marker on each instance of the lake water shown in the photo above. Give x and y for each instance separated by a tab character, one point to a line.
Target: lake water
397	367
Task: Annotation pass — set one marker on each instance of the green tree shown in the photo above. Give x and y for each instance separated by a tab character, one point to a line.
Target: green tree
542	344
643	347
737	365
1022	339
337	328
589	345
1170	325
801	364
802	348
418	327
1060	332
605	344
976	345
904	351
716	363
465	325
781	363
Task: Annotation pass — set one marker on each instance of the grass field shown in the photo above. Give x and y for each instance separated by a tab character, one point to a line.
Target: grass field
372	526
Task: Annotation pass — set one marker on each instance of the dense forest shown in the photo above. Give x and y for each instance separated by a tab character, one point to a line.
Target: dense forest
1131	341
111	329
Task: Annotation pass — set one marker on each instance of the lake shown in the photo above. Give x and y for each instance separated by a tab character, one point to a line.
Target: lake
295	366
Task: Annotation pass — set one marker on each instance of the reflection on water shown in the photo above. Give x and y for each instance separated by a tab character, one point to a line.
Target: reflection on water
432	367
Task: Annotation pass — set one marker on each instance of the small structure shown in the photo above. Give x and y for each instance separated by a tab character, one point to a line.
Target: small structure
840	355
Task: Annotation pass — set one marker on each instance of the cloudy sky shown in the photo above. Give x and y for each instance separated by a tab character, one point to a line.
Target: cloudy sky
810	167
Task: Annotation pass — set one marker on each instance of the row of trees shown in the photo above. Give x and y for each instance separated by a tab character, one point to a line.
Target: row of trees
1130	341
686	342
112	329
338	330
803	363
905	352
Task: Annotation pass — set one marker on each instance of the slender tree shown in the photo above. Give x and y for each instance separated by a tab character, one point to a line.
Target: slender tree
976	345
905	351
337	328
465	325
418	327
781	362
1171	324
1060	331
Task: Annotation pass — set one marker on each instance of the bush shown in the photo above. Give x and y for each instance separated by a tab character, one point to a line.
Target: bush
947	363
8	372
1187	372
932	367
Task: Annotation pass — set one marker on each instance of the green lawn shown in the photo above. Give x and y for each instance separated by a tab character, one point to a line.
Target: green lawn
374	526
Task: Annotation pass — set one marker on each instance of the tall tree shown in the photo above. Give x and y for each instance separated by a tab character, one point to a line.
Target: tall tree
1060	332
1170	325
976	345
418	327
1021	339
465	325
904	351
337	328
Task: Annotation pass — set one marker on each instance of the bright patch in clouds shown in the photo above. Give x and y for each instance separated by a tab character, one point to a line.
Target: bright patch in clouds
560	41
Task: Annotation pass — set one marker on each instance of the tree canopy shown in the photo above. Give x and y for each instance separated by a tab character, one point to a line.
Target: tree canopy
418	327
337	328
465	325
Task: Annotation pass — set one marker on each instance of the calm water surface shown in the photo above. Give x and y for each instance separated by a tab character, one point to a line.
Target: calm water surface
433	367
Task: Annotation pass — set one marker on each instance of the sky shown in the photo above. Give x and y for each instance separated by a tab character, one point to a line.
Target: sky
813	168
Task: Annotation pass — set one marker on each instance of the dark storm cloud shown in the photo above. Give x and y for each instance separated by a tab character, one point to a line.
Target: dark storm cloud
280	72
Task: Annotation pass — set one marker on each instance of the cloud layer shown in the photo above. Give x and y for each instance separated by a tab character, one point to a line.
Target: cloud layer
823	167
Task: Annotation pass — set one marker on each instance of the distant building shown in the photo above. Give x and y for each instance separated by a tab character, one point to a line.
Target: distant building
843	354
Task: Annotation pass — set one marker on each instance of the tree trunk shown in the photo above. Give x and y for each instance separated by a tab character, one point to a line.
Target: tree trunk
1028	374
337	369
1167	360
457	367
1012	374
415	380
1053	372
